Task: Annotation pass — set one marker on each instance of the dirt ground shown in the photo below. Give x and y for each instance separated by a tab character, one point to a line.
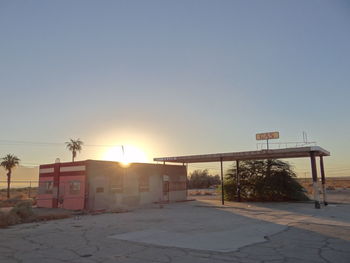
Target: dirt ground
331	182
339	195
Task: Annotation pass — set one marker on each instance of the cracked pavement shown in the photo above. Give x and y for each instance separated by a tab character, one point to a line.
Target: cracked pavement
200	231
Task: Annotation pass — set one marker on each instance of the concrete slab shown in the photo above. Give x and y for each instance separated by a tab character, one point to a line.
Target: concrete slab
223	239
220	241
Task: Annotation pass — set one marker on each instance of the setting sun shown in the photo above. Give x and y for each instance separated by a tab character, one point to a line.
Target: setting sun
125	154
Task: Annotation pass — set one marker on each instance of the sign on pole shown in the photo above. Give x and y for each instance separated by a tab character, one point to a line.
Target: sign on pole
267	136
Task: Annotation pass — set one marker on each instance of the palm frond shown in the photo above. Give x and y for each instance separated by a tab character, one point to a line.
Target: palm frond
9	161
74	146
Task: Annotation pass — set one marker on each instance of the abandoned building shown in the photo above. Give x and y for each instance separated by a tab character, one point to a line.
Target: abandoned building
105	185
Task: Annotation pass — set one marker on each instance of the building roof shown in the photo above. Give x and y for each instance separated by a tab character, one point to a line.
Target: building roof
297	152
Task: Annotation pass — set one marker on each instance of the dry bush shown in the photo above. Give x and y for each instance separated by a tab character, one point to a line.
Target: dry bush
23	213
12	202
7	219
3	219
19	192
21	196
13	219
23	210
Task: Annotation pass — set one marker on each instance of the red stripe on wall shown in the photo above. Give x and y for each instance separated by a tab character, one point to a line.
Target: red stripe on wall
73	164
43	166
63	164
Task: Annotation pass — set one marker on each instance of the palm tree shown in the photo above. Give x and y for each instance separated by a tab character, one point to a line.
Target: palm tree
9	162
74	146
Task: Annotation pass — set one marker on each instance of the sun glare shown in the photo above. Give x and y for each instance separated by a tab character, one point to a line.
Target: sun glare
125	154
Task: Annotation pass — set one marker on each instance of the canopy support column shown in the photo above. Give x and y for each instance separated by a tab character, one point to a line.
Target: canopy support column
323	179
314	179
187	180
222	183
238	182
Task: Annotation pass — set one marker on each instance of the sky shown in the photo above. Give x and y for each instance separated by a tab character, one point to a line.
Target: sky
173	77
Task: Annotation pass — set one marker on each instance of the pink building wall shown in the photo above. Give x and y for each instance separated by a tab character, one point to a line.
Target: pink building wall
44	199
103	185
68	199
62	185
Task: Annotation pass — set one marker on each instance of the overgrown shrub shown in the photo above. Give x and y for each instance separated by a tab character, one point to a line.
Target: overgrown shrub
270	180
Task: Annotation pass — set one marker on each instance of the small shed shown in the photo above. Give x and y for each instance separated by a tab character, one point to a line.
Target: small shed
104	185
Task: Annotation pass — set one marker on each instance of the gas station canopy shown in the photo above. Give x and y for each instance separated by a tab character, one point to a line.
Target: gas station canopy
297	152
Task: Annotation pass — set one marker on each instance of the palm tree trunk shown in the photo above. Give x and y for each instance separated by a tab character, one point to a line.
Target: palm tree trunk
8	184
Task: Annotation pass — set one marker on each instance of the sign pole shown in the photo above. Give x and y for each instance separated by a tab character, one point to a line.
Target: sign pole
267	136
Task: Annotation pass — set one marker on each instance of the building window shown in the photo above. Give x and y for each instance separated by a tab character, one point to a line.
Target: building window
74	187
143	183
46	187
178	183
116	184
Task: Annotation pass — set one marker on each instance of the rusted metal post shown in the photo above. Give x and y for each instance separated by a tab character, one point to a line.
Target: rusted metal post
323	179
238	182
222	183
314	179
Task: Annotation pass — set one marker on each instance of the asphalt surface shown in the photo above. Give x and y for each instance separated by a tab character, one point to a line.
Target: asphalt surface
199	231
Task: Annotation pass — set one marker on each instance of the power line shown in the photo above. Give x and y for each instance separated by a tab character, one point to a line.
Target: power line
37	143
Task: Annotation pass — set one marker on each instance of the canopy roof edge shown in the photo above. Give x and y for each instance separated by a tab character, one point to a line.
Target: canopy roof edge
297	152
